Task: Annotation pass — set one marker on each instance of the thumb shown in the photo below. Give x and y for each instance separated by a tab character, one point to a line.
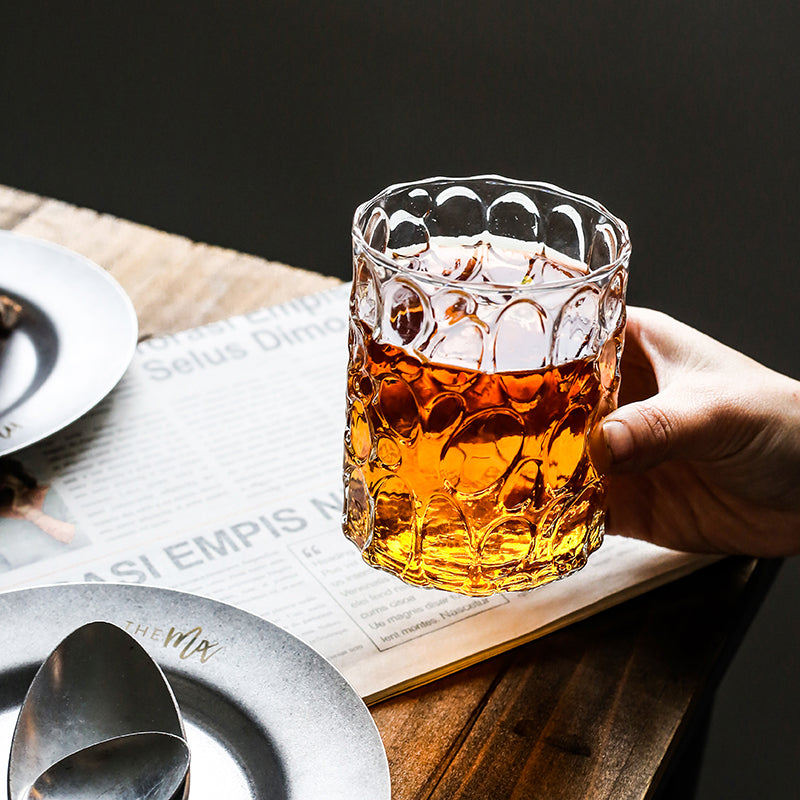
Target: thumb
641	435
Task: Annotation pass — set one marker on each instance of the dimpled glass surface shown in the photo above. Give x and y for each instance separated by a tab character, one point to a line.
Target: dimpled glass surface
486	328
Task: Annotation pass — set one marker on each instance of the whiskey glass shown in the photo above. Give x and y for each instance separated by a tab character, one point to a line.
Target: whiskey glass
486	327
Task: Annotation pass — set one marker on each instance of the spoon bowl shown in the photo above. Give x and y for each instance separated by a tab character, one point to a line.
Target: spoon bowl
140	766
97	687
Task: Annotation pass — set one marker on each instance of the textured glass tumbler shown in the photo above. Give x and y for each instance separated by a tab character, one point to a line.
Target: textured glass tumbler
487	319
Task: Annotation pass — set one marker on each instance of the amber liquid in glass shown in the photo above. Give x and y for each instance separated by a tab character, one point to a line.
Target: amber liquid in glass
469	481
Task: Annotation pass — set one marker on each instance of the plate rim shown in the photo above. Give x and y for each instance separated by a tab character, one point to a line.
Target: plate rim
129	317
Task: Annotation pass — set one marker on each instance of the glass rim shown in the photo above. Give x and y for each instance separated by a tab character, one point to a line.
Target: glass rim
401	263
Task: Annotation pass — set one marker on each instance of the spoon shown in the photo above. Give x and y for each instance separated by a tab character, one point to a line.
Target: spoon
98	684
139	766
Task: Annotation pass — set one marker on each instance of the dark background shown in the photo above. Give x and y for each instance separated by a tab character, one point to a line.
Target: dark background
261	125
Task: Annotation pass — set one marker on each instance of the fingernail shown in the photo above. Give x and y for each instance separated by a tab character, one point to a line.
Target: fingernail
619	441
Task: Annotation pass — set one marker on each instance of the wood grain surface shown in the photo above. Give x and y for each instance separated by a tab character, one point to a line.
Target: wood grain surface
596	710
174	283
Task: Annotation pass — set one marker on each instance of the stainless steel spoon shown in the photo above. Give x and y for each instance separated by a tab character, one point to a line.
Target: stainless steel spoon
141	766
97	685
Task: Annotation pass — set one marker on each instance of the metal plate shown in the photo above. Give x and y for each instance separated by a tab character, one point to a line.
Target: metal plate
74	341
266	716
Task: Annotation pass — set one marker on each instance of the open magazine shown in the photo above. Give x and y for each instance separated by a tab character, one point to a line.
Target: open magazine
215	466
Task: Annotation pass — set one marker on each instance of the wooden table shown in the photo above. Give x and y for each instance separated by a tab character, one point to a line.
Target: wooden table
598	710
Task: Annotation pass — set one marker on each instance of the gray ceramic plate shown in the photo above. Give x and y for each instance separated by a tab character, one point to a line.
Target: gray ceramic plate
266	716
74	341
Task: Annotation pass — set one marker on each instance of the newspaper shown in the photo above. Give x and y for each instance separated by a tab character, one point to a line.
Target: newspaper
214	467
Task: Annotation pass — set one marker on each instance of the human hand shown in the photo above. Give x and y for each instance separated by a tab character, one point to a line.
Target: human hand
704	449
